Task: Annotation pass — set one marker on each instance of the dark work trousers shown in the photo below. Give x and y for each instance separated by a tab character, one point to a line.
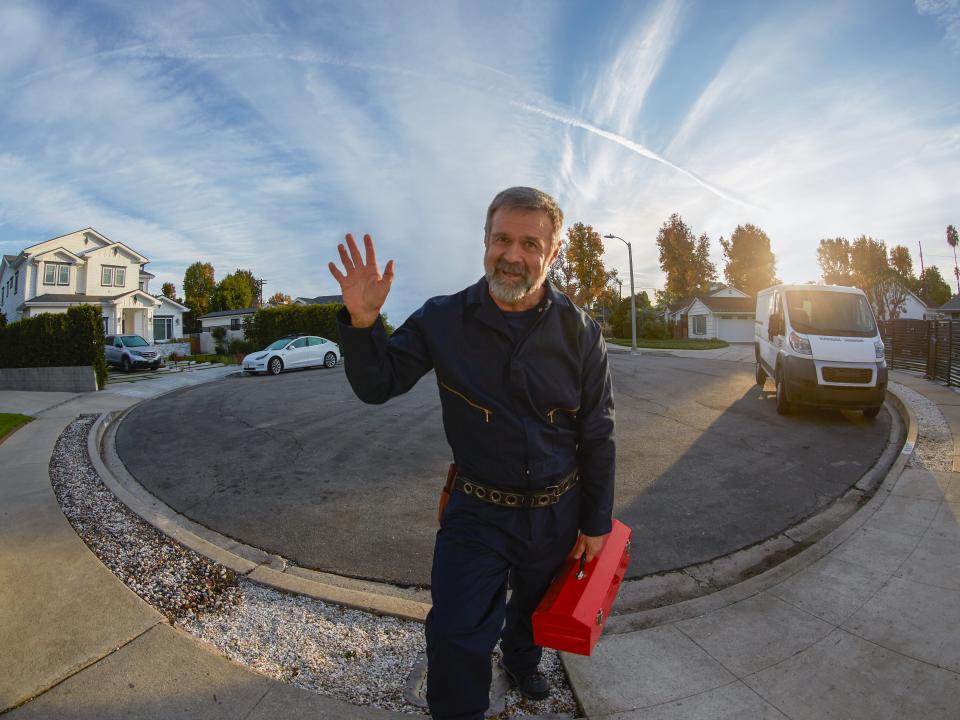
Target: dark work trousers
479	546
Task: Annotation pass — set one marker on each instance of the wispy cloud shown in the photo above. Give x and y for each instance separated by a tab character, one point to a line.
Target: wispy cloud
947	13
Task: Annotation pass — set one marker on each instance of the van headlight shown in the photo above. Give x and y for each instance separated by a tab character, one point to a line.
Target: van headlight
800	344
879	349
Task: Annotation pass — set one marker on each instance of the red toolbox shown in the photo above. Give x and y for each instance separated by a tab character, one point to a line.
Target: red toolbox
572	614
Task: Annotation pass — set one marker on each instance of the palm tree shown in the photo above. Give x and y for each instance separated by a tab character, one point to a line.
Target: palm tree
952	240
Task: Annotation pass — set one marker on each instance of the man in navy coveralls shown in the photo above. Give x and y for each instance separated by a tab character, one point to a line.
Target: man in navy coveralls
528	411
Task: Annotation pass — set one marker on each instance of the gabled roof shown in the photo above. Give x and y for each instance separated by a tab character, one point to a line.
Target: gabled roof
145	274
76	298
225	313
62	250
164	298
319	300
729	304
953	304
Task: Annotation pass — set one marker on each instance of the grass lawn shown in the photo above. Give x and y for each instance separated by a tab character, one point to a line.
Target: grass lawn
10	422
682	344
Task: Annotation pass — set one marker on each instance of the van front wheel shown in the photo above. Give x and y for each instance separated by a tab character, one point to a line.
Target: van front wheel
783	405
761	375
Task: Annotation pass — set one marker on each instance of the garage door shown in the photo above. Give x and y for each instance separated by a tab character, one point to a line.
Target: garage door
735	330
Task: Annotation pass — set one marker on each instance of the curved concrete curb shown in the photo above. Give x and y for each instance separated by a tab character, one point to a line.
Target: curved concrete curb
642	603
262	567
639	620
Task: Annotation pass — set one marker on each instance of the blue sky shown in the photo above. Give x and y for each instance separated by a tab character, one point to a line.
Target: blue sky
254	134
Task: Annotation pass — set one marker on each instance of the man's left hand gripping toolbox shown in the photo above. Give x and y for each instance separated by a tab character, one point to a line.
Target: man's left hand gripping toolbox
575	609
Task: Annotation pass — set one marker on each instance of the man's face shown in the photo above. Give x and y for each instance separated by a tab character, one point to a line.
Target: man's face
519	253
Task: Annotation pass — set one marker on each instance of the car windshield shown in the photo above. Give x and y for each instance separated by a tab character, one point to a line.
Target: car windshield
133	341
830	313
277	344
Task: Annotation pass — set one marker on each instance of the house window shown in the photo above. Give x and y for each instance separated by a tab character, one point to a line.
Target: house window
699	324
112	276
16	282
162	327
106	324
234	323
56	274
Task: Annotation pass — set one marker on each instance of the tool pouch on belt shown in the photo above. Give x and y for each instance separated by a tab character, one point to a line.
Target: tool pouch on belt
447	489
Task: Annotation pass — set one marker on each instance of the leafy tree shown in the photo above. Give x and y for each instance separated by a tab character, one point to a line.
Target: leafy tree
169	290
902	263
3	320
685	259
232	293
279	298
620	317
247	277
578	270
198	285
750	262
871	272
934	290
833	255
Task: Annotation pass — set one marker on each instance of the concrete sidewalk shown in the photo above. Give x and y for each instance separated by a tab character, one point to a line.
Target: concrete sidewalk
865	624
734	352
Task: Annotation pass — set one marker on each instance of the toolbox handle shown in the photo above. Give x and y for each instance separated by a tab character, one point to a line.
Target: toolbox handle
583	562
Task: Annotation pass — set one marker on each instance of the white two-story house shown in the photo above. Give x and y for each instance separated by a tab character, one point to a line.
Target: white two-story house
85	267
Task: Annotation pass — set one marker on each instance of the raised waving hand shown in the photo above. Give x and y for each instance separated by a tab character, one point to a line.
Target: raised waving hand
364	288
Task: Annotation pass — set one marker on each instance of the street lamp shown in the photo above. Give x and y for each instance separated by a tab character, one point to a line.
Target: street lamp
633	297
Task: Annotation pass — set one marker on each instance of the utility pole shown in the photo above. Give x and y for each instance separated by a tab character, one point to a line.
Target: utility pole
260	284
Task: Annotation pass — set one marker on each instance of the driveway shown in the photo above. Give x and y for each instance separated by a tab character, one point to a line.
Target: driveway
298	466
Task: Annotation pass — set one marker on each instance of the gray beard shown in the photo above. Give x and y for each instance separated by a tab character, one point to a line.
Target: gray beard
509	292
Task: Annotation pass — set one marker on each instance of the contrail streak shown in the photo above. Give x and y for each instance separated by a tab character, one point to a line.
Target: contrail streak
310	57
630	145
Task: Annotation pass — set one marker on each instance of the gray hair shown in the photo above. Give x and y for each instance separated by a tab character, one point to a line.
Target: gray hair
526	198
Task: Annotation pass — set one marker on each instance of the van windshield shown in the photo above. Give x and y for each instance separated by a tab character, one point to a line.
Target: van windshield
830	313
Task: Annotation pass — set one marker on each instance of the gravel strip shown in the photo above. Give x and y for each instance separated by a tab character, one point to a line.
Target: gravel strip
934	450
354	656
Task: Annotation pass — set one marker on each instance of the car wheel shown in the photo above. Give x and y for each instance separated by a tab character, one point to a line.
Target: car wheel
871	413
125	364
783	404
330	360
155	366
275	367
761	375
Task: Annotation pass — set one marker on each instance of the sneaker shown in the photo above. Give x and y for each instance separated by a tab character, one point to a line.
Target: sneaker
533	686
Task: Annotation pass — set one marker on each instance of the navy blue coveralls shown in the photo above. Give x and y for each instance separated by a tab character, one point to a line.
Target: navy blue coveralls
518	413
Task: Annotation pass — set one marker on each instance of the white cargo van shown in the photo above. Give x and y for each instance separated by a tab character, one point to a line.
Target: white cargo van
821	346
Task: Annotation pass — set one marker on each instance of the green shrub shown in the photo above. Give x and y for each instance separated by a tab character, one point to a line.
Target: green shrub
242	347
56	340
269	324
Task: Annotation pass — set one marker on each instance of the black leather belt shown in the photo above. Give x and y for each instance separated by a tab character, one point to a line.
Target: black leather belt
509	497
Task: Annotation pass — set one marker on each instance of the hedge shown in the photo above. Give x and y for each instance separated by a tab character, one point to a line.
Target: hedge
269	324
56	340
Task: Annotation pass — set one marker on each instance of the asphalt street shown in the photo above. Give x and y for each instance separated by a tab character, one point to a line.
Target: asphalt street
296	465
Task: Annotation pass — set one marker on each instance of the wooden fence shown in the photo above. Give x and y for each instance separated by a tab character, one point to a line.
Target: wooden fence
928	346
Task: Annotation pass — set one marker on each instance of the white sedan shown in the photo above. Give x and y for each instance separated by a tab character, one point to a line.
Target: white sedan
294	351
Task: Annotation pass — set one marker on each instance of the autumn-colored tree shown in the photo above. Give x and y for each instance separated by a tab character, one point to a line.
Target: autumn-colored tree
750	262
169	290
578	270
685	259
833	255
279	298
934	290
234	292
